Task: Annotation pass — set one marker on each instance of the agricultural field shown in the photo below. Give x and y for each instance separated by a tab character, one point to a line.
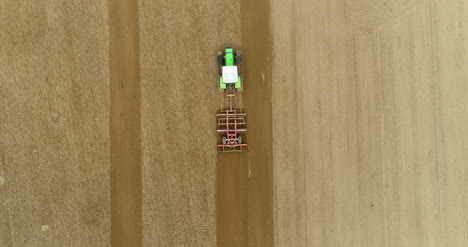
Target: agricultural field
356	118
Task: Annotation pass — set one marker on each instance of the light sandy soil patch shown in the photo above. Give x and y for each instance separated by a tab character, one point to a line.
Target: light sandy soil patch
369	123
54	124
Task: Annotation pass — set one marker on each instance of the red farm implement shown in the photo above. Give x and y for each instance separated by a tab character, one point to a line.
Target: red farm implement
232	127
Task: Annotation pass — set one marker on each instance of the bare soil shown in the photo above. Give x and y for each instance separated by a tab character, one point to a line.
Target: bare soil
244	181
125	124
357	115
54	124
369	104
179	42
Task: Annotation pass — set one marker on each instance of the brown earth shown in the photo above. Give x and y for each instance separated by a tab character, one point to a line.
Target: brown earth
54	124
370	114
179	42
244	181
125	124
357	116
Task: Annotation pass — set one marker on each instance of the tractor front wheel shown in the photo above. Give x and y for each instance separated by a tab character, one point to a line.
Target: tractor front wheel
238	57
220	58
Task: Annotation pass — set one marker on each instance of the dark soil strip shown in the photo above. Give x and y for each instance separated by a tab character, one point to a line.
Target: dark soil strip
244	181
256	45
126	229
231	200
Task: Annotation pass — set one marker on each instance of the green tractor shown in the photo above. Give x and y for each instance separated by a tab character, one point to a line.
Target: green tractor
229	64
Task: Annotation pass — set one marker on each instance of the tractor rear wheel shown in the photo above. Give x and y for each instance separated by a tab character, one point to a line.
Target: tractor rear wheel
220	89
241	88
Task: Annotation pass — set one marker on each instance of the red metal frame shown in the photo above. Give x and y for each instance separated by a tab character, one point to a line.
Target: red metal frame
231	124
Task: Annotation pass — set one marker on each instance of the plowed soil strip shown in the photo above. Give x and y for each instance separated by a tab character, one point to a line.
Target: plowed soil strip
244	181
126	228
